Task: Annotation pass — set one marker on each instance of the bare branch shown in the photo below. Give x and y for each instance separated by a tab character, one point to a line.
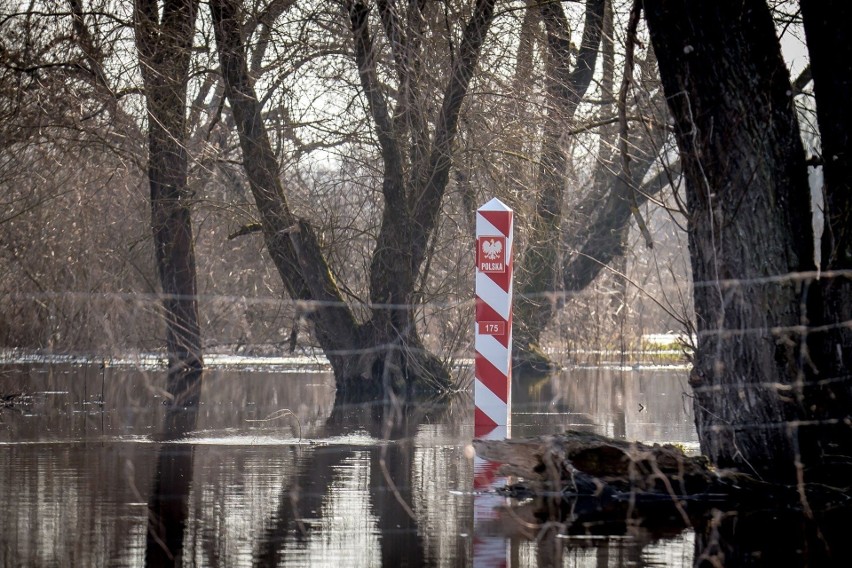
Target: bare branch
635	13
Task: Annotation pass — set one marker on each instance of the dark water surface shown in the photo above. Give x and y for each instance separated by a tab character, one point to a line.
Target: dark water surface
274	472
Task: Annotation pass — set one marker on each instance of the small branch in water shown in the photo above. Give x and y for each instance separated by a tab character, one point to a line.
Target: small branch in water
280	414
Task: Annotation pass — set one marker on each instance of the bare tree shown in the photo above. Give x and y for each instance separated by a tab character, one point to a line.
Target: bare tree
385	351
71	158
565	251
539	266
164	35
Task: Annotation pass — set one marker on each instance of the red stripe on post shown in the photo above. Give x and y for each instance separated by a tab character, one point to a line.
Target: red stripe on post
502	220
493	379
503	280
482	423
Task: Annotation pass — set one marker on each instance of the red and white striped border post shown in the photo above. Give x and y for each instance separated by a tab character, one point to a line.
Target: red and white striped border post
493	338
493	372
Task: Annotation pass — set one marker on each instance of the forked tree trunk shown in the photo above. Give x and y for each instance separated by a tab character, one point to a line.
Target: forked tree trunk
385	352
164	40
539	274
749	225
414	181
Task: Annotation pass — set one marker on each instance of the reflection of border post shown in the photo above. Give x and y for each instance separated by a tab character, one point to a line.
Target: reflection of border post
490	548
493	333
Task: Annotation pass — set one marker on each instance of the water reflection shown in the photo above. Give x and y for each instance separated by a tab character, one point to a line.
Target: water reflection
390	449
774	538
168	507
649	405
98	471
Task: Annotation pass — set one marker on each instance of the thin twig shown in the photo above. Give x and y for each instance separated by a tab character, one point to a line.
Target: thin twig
280	414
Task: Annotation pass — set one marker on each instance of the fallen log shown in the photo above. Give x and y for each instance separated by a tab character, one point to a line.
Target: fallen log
579	463
570	486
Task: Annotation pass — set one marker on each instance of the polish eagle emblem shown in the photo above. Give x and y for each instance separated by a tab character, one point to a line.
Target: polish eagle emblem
492	249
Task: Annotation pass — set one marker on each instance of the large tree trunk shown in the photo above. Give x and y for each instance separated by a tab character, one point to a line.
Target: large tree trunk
386	351
749	224
164	40
827	31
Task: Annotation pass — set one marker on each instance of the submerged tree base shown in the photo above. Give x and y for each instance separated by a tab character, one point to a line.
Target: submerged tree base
530	359
401	372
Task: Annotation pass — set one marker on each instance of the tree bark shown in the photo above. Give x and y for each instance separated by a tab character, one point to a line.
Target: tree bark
164	40
830	311
748	221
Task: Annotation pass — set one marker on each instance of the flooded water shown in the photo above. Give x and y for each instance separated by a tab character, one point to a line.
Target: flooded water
273	471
